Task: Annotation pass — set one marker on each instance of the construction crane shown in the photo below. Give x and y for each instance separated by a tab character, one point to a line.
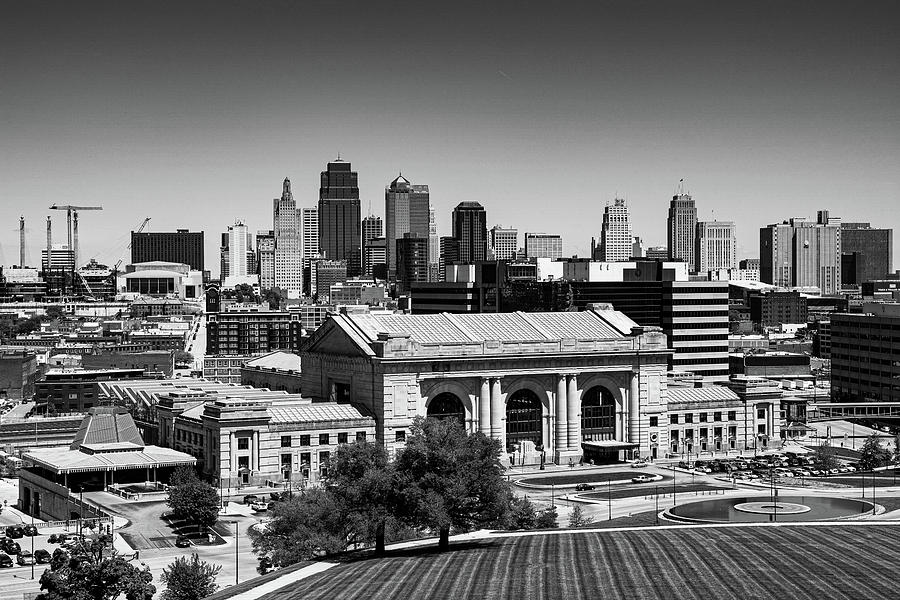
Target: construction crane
72	215
140	229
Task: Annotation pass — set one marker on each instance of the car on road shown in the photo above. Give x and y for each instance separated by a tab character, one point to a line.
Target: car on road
25	558
259	506
30	530
41	556
250	499
11	547
641	479
14	531
5	560
182	541
583	487
59	538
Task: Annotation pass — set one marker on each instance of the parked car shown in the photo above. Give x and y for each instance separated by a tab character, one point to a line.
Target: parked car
5	560
259	506
25	558
41	556
250	499
30	530
59	538
14	531
182	541
641	479
583	487
11	547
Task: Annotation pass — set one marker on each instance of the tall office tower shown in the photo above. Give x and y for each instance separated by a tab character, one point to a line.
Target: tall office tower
371	229
749	264
224	269
637	248
449	255
615	234
802	253
406	210
339	216
504	241
265	258
412	261
657	253
237	249
326	274
288	253
182	246
470	230
375	258
867	253
309	228
681	229
716	246
434	246
543	245
61	258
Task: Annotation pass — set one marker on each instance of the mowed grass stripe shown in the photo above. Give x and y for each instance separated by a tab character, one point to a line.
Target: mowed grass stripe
630	562
693	555
853	568
795	563
665	552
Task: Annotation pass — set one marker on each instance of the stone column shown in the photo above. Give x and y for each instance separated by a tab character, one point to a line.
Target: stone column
255	466
232	453
561	440
498	413
634	409
573	414
484	407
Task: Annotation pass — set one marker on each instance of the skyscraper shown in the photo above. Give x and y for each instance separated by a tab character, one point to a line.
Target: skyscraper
470	230
412	261
543	245
265	258
615	234
716	246
802	253
504	241
371	229
406	210
288	264
434	247
339	216
681	229
238	247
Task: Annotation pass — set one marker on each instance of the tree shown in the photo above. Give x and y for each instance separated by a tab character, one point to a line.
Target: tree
307	526
363	482
578	519
825	458
521	513
873	454
183	474
183	357
547	519
194	501
189	579
95	572
451	479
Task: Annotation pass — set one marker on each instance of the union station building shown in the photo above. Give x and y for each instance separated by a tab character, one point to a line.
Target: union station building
558	386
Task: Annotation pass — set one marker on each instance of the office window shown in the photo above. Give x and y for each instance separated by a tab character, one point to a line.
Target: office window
654	421
243	443
732	415
285	461
673	419
342	438
304	440
285	441
400	436
717	416
324	439
689	417
761	429
305	458
760	413
703	417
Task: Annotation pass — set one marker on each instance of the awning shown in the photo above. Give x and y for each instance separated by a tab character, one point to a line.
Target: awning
608	445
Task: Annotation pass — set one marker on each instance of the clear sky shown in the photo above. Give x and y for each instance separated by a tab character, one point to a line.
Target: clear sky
192	113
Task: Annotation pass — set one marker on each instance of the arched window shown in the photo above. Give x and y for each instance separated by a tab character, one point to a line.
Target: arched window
598	414
523	418
447	406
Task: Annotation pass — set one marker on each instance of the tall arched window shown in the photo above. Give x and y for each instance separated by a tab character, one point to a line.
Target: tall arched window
523	418
447	406
598	414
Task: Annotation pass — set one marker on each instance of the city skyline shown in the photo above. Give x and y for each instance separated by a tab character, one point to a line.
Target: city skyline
193	114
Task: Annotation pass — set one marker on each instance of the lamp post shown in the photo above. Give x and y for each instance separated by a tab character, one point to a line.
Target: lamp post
236	574
32	541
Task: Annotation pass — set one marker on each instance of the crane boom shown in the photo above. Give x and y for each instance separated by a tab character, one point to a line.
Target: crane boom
70	211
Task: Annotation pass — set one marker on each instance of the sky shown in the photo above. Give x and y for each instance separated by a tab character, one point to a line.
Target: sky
192	113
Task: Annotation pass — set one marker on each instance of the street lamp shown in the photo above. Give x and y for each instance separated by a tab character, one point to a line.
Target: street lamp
236	574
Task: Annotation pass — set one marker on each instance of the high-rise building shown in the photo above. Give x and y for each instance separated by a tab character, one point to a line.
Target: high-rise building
237	249
288	253
637	247
183	247
339	216
615	235
375	258
449	254
681	230
412	261
407	209
716	246
470	230
749	264
61	258
867	253
504	241
265	258
864	358
434	244
326	274
657	253
371	229
543	245
802	253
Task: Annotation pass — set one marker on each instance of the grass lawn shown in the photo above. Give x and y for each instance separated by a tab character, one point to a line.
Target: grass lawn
584	477
813	563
